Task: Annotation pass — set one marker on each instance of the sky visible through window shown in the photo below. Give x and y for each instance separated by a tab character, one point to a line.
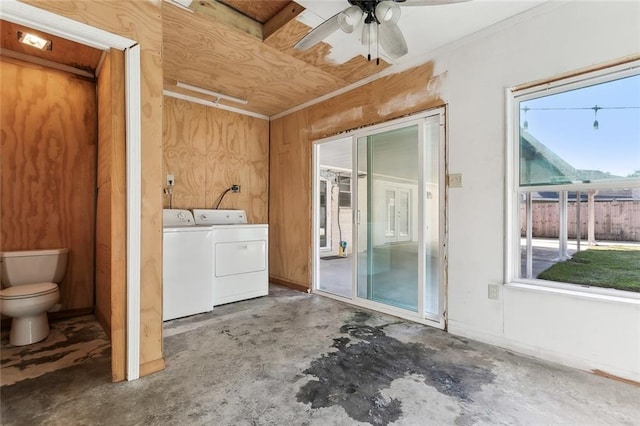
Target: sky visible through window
569	130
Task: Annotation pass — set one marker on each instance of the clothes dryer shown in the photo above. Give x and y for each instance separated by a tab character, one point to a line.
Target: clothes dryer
240	255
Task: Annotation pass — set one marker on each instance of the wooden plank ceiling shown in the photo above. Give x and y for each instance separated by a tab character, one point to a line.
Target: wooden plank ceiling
244	49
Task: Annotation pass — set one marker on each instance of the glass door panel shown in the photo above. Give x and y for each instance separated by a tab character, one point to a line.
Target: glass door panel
335	218
388	258
433	217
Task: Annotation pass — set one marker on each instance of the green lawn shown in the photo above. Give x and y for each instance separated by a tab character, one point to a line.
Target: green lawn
611	267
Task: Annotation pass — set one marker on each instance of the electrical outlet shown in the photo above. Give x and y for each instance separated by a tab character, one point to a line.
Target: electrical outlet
455	180
171	180
493	291
235	188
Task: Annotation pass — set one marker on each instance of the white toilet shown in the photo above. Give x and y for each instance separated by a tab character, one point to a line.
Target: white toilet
29	289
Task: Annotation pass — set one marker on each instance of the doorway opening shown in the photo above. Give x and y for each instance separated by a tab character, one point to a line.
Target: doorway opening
126	348
379	217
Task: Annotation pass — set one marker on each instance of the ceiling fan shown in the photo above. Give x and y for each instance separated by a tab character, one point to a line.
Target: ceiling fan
380	25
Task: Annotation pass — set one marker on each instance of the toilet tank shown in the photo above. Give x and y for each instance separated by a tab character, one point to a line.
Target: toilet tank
33	266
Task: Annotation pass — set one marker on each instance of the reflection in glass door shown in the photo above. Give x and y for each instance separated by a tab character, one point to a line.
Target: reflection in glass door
324	213
388	262
398	213
335	218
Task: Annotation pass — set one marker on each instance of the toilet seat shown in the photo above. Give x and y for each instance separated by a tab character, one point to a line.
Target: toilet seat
27	291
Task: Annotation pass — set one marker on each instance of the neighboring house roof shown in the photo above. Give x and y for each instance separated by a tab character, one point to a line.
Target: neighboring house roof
589	175
544	165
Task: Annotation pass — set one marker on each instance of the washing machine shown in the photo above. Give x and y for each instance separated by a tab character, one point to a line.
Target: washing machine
187	270
240	255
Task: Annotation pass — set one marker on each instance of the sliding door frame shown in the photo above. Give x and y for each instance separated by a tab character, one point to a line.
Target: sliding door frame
420	316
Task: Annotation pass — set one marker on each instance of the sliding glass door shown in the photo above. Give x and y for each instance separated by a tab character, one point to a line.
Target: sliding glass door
388	264
392	222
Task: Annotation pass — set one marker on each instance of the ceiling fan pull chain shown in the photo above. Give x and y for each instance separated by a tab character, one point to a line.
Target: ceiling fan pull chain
369	44
377	46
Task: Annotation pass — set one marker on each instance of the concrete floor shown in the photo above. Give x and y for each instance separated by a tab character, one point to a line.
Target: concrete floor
293	358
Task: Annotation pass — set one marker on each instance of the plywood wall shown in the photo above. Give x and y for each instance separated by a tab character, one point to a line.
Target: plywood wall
48	170
140	21
291	139
208	149
111	209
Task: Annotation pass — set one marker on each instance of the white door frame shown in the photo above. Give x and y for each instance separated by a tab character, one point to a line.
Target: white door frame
39	19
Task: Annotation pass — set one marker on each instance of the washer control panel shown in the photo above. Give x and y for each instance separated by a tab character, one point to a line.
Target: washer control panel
219	217
177	217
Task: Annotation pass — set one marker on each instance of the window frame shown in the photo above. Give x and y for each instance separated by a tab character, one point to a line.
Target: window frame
514	96
341	183
328	207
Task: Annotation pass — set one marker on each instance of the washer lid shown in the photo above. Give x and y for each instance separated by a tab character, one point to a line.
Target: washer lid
28	290
177	217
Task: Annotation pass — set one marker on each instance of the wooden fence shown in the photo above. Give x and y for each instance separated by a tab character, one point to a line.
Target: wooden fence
614	220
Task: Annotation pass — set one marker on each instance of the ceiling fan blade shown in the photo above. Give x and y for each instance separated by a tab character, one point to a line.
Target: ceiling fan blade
319	33
428	2
391	40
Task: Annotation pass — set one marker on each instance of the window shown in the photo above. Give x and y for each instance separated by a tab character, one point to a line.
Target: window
324	213
574	190
344	194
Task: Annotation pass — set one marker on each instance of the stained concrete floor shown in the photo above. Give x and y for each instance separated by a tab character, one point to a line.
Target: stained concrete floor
298	359
71	342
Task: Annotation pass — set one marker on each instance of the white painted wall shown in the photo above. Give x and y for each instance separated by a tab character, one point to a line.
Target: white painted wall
584	332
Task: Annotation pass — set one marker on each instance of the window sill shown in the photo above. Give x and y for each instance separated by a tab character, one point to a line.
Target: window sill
576	290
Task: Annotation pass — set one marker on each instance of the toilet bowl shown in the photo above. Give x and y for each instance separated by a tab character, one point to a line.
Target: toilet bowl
28	305
29	290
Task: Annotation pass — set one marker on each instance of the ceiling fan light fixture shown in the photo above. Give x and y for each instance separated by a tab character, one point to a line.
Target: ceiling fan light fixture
349	19
380	29
387	12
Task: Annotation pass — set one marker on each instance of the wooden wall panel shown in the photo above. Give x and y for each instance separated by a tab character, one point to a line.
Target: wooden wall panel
140	21
209	149
291	140
103	204
48	170
186	134
118	190
103	257
111	209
